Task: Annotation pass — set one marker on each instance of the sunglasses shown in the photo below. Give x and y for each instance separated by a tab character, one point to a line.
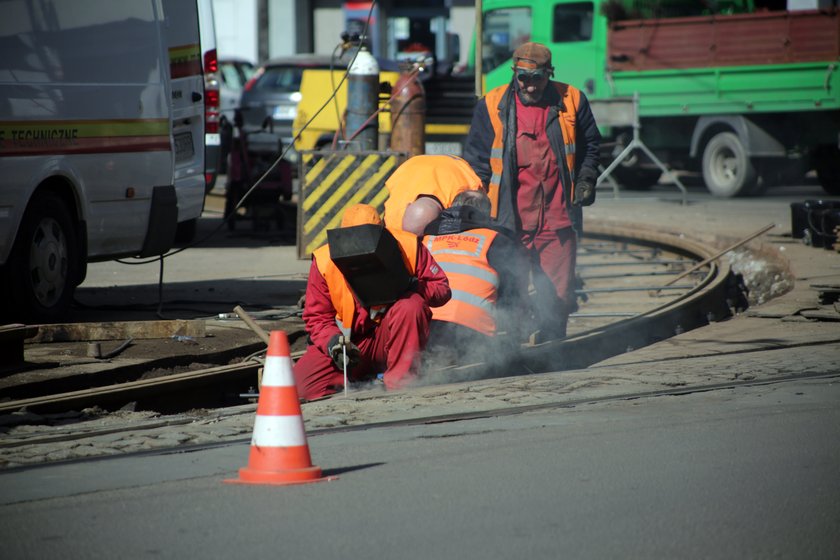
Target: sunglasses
527	76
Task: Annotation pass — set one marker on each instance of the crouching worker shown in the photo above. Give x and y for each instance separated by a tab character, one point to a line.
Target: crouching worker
488	274
362	304
436	178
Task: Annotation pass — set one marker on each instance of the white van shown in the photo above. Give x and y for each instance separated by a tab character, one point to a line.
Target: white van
102	110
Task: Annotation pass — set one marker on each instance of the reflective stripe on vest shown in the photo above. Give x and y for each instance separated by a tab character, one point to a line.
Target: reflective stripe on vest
340	293
474	283
570	99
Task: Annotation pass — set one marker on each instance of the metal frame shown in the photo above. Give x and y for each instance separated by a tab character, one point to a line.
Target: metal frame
624	111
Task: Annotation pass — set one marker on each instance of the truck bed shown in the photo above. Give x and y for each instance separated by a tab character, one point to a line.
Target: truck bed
724	40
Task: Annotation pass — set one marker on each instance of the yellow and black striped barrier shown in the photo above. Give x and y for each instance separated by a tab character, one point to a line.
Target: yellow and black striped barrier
332	181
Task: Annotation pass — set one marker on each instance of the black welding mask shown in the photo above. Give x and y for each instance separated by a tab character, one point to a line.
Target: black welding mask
370	259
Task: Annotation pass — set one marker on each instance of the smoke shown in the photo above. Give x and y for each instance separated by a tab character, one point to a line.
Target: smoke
456	353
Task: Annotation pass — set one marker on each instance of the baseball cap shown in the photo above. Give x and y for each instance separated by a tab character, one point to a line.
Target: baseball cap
360	214
532	56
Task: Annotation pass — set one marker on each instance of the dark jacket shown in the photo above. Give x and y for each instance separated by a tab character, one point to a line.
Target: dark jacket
480	140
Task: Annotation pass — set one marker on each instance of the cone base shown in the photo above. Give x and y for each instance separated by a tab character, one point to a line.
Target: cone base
248	475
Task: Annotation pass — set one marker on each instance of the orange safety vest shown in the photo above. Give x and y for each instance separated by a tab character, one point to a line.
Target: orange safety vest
474	283
570	97
340	292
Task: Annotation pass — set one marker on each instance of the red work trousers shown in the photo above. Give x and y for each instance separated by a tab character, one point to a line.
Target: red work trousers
552	255
393	347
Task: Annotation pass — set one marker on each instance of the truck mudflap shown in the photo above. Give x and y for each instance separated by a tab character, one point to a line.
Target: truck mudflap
163	222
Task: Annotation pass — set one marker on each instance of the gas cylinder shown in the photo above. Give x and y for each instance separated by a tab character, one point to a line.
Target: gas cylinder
363	100
408	115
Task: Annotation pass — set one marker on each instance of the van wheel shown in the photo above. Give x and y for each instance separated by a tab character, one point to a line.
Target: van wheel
186	230
44	263
727	170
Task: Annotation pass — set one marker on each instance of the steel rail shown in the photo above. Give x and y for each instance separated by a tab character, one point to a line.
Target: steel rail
703	302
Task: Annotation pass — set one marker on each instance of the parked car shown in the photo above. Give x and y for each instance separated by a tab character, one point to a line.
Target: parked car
234	73
274	91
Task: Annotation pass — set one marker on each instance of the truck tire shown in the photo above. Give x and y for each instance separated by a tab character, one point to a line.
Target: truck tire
827	165
43	268
727	169
779	172
637	178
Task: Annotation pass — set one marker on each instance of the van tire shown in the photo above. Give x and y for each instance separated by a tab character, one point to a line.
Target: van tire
186	230
44	264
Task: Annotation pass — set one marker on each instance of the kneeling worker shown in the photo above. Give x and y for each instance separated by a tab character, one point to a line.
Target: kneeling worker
436	178
487	272
376	338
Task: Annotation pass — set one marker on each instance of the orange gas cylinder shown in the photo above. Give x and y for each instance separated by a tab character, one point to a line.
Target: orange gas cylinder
408	116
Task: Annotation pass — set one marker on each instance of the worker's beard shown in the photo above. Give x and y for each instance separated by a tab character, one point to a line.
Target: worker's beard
530	97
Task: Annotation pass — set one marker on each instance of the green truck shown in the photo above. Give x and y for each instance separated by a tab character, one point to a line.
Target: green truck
743	91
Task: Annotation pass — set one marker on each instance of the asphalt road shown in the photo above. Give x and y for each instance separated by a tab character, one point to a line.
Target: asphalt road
738	473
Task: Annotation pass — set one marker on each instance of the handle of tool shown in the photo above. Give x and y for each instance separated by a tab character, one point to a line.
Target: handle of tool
251	324
717	256
344	354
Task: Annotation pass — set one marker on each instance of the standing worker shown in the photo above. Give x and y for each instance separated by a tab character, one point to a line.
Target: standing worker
535	145
437	177
374	339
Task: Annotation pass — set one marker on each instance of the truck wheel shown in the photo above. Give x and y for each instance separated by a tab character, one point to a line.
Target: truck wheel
827	164
44	263
727	170
779	172
637	178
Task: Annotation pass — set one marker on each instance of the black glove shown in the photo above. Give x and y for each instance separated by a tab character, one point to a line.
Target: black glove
584	193
413	284
334	351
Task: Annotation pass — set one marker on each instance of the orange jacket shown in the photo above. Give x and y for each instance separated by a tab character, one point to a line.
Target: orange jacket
340	292
474	283
440	176
567	126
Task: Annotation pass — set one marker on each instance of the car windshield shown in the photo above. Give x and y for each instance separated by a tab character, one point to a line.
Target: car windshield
236	74
284	79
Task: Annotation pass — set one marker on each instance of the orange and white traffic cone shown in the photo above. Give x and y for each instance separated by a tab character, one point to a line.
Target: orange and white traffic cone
279	452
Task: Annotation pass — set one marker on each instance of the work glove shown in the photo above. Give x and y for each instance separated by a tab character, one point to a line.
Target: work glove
334	351
413	284
584	193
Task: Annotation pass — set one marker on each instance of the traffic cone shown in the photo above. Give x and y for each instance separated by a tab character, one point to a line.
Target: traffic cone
279	452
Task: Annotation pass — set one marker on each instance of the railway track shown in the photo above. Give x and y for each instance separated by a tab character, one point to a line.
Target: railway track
624	304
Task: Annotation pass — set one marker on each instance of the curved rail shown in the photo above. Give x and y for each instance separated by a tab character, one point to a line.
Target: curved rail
705	301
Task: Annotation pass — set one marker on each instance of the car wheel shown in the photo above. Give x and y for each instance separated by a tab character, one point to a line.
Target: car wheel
727	169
